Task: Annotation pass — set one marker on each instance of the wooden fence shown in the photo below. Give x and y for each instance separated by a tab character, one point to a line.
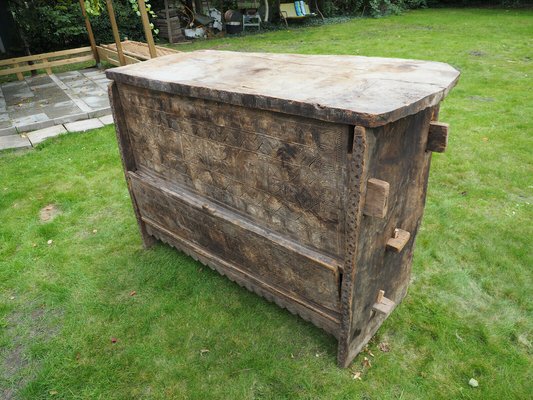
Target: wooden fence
45	61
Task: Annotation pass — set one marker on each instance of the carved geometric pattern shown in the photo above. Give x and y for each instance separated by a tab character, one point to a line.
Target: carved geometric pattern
284	173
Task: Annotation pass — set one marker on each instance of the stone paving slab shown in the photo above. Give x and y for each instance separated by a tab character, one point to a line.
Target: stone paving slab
99	113
107	119
14	142
84	125
32	122
70	118
38	136
8	130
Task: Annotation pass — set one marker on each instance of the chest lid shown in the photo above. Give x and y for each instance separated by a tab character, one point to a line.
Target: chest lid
354	90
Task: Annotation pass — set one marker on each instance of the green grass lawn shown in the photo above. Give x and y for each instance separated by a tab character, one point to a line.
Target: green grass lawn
187	332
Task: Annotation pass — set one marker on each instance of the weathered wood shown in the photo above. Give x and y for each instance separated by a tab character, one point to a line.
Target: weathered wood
377	198
169	28
397	155
225	235
277	189
437	137
383	305
265	165
126	156
351	93
324	320
398	241
381	294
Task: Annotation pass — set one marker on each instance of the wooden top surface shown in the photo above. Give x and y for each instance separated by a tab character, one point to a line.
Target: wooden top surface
356	90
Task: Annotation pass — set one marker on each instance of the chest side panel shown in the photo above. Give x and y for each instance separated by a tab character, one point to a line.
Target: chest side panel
285	173
397	155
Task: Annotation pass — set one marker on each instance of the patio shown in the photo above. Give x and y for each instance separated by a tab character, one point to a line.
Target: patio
46	105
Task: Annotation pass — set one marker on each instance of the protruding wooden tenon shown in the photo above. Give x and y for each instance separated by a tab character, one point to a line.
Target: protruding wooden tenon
377	198
437	137
398	241
383	305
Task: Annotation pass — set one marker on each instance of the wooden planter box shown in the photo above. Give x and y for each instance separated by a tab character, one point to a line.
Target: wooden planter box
302	178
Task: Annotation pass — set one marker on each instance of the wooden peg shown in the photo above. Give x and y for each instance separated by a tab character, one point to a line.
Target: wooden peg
382	304
377	198
437	137
398	241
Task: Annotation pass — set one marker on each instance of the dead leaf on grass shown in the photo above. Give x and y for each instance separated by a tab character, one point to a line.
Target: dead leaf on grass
366	363
133	293
204	351
356	375
368	351
384	347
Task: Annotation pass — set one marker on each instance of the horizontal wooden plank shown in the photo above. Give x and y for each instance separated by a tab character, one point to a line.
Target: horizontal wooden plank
45	65
111	56
42	56
321	259
270	257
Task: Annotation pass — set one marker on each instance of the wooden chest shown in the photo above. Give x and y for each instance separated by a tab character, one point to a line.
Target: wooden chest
302	178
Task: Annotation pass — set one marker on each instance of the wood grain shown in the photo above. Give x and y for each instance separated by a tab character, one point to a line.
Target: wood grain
377	198
397	155
365	91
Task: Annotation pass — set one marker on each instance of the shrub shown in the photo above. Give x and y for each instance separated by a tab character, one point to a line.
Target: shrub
49	25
